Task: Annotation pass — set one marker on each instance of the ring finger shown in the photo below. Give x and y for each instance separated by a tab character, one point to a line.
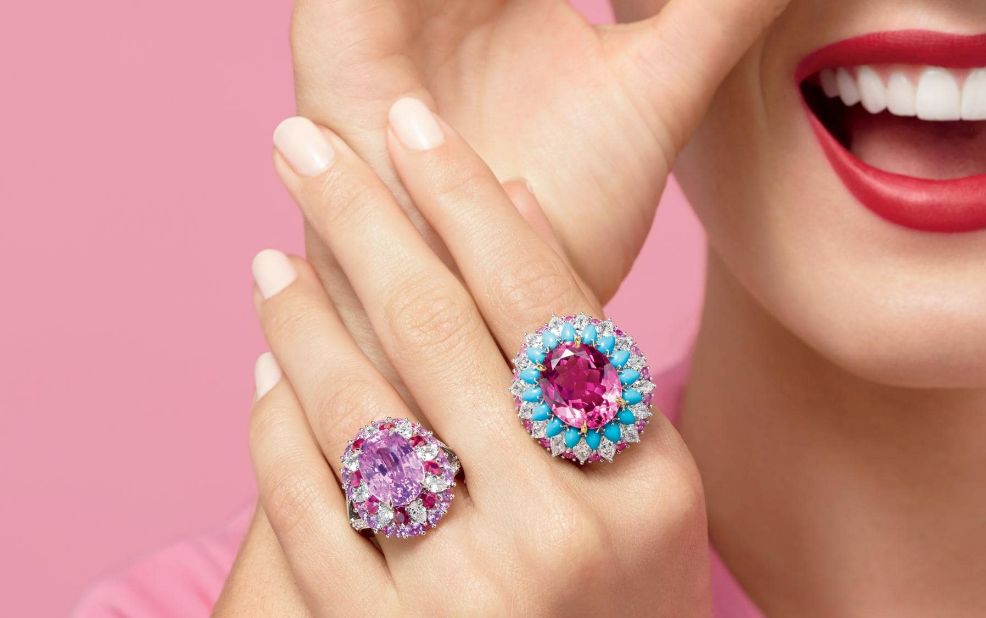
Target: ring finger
339	388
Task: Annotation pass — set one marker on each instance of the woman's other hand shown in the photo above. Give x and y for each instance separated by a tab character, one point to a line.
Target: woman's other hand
593	116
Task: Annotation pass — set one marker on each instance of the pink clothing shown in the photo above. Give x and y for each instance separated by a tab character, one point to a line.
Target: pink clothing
185	580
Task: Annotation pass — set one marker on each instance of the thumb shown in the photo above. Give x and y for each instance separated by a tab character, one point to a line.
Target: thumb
677	59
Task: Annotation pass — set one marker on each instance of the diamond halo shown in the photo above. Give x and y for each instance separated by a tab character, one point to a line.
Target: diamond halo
582	388
398	478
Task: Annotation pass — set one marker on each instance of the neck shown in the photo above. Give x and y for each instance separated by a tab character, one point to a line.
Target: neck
829	495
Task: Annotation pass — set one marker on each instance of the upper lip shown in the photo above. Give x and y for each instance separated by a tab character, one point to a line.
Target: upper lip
921	47
926	205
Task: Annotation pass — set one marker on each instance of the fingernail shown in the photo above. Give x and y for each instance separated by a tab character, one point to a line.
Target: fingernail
272	270
266	374
415	125
303	145
527	183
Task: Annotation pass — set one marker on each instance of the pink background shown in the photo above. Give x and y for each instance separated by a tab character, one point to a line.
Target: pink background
136	184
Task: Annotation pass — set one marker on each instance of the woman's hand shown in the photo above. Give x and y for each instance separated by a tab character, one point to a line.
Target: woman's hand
593	116
528	535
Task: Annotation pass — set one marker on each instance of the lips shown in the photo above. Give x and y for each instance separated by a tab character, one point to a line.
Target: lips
901	117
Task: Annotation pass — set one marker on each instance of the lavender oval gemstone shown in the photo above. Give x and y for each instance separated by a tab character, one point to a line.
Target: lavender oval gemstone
391	469
580	385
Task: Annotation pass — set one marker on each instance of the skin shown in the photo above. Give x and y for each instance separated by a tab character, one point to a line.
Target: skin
832	410
523	525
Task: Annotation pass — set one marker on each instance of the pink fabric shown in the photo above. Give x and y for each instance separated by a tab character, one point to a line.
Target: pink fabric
185	580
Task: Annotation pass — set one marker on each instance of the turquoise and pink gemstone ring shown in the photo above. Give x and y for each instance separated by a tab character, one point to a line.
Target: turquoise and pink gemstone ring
398	478
582	388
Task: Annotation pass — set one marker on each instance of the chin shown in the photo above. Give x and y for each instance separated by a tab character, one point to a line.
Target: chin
856	215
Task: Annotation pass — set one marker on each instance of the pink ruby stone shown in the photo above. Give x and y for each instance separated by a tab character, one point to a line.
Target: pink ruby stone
372	505
433	467
391	469
400	516
417	440
355	478
580	385
358	444
429	500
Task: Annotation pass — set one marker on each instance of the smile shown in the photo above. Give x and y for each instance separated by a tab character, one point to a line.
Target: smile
901	117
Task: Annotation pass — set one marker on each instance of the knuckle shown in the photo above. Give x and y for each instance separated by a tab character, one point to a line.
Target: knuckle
290	498
570	535
264	426
684	505
529	286
340	200
460	183
345	403
291	318
424	315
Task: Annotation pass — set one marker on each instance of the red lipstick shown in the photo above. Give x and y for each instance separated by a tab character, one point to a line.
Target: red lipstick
944	206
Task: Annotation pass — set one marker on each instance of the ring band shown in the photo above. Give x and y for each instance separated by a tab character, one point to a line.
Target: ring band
398	478
582	388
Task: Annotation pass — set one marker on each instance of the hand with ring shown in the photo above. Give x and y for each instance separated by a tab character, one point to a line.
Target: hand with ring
526	534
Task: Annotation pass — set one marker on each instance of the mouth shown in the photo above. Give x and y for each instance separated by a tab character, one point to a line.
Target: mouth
901	117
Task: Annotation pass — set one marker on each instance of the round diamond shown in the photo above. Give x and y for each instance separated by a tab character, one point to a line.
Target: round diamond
391	469
580	385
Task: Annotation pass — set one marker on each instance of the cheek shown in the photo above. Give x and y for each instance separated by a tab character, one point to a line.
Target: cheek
886	304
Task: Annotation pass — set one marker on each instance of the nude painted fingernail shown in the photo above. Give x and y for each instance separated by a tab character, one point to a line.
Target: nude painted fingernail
527	183
266	374
415	125
272	270
303	145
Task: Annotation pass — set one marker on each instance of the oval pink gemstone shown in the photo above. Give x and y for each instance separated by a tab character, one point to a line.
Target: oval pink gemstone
391	469
580	385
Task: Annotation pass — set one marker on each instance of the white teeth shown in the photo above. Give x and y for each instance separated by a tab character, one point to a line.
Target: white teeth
901	95
829	83
939	96
847	88
871	90
974	96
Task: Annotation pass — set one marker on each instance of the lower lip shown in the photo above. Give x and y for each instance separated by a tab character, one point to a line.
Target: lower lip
944	206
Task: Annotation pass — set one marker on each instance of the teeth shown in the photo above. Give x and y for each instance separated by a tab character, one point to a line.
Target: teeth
847	88
871	90
901	95
938	95
829	83
974	96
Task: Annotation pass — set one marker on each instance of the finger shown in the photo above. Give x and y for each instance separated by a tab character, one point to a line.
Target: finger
427	322
521	194
260	581
675	60
517	279
339	389
354	318
304	505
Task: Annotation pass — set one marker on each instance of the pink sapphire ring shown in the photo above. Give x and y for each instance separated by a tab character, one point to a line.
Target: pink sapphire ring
582	388
398	478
